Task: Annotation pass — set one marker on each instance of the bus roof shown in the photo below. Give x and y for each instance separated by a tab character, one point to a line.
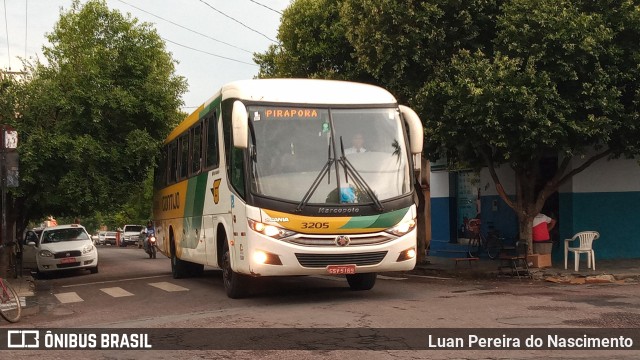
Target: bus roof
307	91
299	91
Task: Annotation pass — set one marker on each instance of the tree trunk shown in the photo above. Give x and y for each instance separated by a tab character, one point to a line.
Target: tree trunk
424	212
526	229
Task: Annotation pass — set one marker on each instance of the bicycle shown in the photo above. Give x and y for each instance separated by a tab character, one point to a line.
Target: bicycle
10	306
478	243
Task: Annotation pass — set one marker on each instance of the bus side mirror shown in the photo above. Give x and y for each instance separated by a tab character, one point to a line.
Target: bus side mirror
414	127
240	124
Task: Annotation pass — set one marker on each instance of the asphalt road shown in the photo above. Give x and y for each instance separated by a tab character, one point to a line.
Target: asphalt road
133	291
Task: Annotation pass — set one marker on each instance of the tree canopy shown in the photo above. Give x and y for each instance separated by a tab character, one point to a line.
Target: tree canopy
496	82
93	114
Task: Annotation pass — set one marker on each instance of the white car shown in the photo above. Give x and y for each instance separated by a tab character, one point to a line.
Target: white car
61	247
101	237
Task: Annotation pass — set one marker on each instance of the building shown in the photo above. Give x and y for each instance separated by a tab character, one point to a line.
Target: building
605	197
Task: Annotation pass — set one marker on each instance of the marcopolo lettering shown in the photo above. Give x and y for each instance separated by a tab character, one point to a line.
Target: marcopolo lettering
338	210
171	202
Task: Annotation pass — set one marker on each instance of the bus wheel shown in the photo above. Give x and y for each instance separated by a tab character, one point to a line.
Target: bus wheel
361	281
179	267
196	269
234	284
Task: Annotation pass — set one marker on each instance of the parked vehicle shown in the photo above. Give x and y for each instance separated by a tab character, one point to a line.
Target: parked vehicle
60	248
101	235
130	234
110	237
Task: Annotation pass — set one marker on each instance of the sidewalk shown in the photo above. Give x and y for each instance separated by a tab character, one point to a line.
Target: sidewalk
25	287
607	271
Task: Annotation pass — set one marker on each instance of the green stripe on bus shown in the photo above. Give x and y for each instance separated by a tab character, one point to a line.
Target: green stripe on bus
381	221
196	188
213	105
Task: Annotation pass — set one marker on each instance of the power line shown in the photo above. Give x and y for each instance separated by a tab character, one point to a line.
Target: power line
6	27
208	53
239	22
26	27
265	6
186	28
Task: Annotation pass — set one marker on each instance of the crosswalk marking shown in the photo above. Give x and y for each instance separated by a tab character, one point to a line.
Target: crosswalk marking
167	286
69	297
116	292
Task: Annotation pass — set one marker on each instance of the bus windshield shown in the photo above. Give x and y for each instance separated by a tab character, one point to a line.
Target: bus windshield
295	145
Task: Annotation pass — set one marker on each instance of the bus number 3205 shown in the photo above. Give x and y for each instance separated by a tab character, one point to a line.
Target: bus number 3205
315	225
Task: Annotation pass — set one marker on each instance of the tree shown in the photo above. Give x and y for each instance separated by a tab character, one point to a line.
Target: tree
92	117
313	45
561	80
505	82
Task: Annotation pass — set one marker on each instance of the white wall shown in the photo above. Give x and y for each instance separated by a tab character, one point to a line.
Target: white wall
620	175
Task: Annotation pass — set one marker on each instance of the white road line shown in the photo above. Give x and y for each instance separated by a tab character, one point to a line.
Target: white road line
115	281
429	277
391	278
167	286
116	292
328	277
69	297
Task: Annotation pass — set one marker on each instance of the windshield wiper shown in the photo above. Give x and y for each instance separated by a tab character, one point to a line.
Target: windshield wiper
349	169
326	169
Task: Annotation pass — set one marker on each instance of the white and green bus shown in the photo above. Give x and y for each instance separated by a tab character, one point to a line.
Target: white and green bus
262	180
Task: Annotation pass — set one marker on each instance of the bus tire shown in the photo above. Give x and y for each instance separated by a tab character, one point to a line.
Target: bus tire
359	282
234	284
196	270
179	268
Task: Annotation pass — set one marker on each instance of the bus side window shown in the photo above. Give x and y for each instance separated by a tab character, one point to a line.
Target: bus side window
212	154
183	151
173	163
196	149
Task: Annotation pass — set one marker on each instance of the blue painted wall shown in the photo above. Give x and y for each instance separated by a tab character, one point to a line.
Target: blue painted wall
613	214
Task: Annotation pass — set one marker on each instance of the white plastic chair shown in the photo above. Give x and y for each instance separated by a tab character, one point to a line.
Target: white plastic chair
586	247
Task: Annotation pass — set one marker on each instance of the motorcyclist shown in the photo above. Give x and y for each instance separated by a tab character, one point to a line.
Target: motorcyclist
147	231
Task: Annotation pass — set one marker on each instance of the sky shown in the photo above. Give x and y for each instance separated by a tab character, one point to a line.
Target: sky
213	41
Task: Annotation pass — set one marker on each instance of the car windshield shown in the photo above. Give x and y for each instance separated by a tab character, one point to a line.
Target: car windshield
136	228
294	147
60	235
111	233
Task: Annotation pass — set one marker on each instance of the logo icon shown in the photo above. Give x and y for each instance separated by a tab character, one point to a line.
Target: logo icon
342	240
215	190
23	339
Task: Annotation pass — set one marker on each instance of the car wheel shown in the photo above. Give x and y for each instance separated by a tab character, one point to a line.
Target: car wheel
94	270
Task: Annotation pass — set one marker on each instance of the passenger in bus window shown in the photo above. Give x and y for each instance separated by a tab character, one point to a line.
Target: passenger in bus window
357	145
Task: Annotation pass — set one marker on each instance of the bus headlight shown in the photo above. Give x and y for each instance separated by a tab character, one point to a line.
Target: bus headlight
403	227
263	257
406	255
273	231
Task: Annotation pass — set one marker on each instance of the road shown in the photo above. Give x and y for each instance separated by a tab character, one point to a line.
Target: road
133	291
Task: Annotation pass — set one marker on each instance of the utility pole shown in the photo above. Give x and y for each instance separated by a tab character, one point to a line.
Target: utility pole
8	166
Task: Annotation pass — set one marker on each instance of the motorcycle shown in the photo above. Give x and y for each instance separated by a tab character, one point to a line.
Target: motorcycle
150	245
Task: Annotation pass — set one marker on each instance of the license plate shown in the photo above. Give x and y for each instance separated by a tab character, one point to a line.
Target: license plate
68	260
341	269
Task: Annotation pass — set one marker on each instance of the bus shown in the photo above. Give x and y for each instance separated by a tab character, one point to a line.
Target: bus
259	182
